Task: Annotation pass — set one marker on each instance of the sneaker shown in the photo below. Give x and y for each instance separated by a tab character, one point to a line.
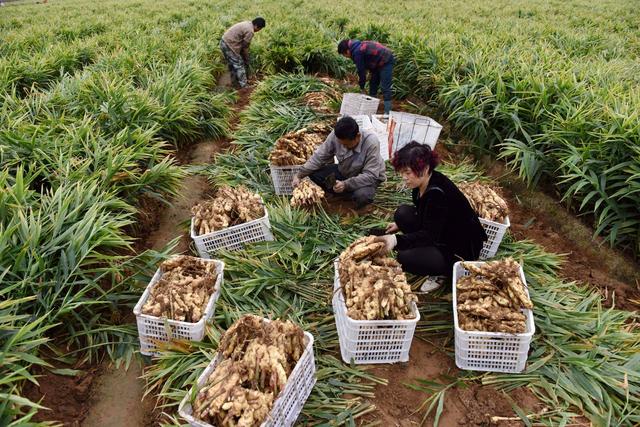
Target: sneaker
431	283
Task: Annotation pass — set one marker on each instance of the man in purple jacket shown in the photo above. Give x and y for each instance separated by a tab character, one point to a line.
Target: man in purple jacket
375	57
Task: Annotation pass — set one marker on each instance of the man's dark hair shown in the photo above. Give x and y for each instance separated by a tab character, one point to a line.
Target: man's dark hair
259	22
416	157
346	128
343	46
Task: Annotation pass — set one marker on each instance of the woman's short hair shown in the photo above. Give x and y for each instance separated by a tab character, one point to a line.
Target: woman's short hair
416	157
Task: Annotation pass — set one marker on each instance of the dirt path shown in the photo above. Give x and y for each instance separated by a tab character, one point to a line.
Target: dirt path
174	220
117	397
397	405
117	400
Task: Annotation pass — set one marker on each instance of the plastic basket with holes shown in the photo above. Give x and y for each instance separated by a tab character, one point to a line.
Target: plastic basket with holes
490	351
358	104
402	128
495	232
289	403
234	237
371	341
282	177
363	121
380	129
153	329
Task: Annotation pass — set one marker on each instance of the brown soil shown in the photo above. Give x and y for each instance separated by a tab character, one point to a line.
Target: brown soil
580	266
67	396
397	405
147	220
173	221
117	400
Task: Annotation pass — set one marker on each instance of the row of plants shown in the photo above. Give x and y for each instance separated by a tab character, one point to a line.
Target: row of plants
90	115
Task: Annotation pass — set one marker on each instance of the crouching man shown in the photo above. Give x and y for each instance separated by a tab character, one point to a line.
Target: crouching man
360	169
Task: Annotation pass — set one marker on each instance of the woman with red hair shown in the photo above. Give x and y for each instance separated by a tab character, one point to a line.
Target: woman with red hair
440	227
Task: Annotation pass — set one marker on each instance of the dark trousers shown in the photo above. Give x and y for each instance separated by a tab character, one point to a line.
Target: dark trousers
237	65
361	196
382	77
423	260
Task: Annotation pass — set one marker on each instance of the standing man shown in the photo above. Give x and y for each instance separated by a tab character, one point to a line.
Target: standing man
235	48
360	169
375	57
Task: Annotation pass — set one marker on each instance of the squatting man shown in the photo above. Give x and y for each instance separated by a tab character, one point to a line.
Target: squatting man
360	169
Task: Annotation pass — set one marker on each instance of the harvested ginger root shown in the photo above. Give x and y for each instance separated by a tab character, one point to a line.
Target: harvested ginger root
307	194
184	289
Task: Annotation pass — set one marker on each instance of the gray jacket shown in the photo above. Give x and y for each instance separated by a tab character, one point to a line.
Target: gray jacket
363	166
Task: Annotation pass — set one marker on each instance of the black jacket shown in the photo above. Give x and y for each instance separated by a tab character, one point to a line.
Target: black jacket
447	221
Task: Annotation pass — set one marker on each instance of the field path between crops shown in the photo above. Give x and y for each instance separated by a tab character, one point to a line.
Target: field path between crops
117	395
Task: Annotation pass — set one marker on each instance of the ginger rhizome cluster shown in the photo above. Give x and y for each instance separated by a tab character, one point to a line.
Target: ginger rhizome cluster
485	201
184	289
491	297
231	206
374	285
257	359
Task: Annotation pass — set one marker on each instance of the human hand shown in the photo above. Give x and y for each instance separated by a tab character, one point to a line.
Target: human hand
339	187
392	227
389	241
296	181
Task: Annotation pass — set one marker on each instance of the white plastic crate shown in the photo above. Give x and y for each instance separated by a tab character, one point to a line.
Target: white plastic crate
380	129
363	121
358	104
234	237
371	341
490	351
402	128
289	403
495	232
152	329
282	177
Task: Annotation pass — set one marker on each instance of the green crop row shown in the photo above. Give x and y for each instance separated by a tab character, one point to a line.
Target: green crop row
90	112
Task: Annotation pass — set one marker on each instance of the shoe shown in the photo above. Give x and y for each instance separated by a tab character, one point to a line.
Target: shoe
431	283
376	231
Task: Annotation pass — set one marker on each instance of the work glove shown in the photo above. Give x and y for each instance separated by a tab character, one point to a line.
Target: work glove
389	241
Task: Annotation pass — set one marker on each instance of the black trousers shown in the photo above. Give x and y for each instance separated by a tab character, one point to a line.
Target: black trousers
423	260
361	196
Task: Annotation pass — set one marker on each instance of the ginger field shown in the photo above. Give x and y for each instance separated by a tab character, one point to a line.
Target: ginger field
103	105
